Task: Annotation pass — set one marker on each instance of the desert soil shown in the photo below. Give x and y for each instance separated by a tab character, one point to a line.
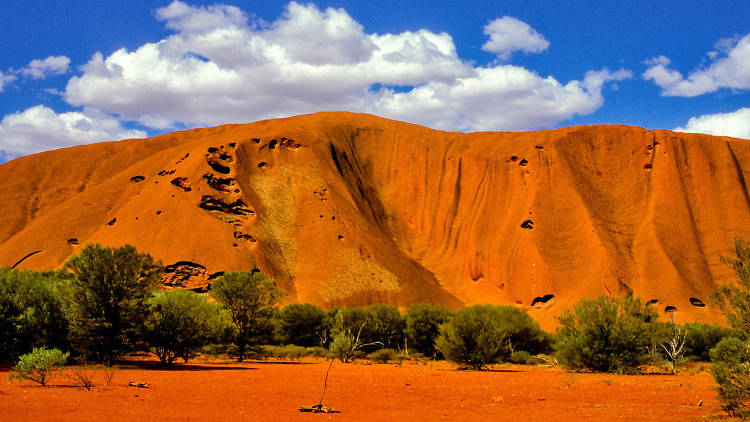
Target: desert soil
273	390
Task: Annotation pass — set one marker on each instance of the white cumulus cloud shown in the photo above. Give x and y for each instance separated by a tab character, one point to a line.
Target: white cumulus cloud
184	18
39	128
735	124
507	97
52	65
729	68
5	79
508	34
219	66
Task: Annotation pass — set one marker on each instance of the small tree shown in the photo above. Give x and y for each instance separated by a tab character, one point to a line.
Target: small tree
39	365
701	338
522	332
249	297
423	327
179	323
109	290
475	337
673	347
303	324
344	346
732	372
387	325
347	337
606	334
734	298
731	357
354	320
31	312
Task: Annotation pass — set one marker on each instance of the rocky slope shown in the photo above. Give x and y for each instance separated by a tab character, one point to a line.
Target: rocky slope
345	208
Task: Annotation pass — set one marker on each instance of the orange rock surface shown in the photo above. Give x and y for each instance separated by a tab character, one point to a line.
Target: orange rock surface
345	208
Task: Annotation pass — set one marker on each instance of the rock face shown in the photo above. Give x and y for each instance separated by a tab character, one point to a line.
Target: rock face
352	209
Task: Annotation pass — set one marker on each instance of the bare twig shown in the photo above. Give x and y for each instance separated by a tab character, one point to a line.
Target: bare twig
325	382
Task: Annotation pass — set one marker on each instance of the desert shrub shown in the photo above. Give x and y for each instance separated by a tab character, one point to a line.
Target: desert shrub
303	324
701	338
219	349
475	337
734	297
292	351
386	355
376	326
670	345
521	357
109	374
522	332
31	312
289	351
83	376
109	290
343	347
39	365
319	352
249	298
732	374
423	327
353	319
731	357
387	326
351	333
267	329
180	323
606	334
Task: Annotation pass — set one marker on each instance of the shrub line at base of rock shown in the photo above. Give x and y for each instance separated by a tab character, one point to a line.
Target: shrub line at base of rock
104	304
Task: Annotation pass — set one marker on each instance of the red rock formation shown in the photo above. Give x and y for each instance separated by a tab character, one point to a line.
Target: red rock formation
355	209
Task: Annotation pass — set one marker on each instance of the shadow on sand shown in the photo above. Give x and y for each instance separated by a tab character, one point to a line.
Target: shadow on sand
155	365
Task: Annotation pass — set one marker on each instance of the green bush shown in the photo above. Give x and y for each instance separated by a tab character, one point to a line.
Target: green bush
522	332
351	330
606	334
701	338
31	312
303	324
292	351
289	351
376	326
475	337
109	290
423	327
39	365
344	347
250	298
319	352
731	356
387	326
521	357
734	297
731	370
180	323
386	355
354	320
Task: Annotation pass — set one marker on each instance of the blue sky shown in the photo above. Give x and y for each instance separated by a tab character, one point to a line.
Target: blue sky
87	71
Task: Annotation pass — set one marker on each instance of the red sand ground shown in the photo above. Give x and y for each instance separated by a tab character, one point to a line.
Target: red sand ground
272	391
